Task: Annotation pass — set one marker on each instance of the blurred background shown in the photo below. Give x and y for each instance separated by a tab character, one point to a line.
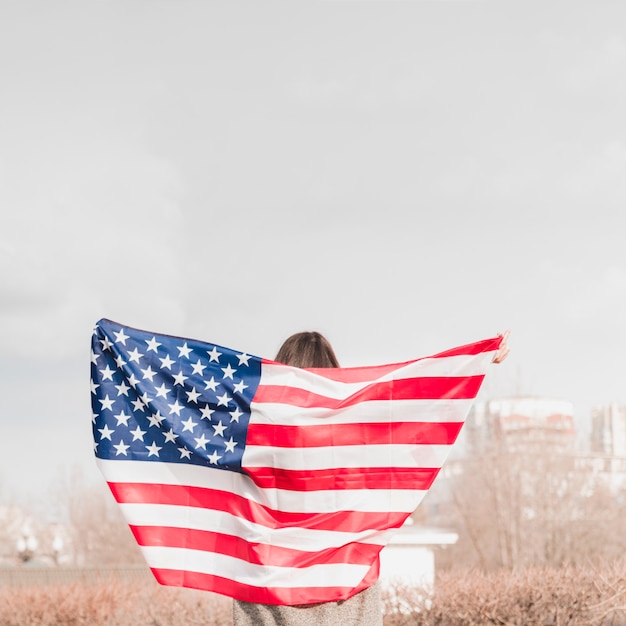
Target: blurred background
404	177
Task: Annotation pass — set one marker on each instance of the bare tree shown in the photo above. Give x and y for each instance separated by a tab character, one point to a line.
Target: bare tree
530	502
96	530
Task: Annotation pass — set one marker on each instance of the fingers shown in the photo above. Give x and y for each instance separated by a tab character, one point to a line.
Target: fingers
501	355
504	350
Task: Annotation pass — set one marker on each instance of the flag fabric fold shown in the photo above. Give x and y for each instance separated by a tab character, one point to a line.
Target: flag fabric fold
265	482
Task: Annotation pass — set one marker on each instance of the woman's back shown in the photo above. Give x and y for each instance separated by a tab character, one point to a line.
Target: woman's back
311	349
362	609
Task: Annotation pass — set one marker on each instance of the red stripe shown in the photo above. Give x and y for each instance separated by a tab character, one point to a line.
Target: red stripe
343	478
204	498
434	433
372	372
427	388
255	553
262	595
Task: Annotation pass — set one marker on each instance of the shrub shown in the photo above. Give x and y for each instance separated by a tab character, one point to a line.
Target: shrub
565	596
111	602
534	596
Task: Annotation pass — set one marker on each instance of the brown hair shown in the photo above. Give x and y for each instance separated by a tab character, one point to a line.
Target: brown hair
307	349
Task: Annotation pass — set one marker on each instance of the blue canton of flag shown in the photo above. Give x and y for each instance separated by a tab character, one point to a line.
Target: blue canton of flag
170	400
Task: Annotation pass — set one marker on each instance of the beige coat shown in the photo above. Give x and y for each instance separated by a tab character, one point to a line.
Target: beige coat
363	609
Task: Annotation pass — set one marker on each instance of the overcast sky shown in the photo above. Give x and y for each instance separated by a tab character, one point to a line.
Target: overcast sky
402	176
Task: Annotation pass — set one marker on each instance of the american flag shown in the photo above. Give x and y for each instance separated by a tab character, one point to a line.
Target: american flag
264	482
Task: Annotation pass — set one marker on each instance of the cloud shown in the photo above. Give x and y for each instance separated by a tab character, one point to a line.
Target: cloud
319	92
603	66
94	237
380	87
599	175
598	302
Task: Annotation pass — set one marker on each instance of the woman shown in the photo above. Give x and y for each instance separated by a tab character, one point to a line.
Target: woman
311	349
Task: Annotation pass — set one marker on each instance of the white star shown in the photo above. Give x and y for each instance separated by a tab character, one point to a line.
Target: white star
144	399
121	337
179	379
176	408
214	458
121	448
162	391
206	412
211	384
192	396
106	403
243	359
201	441
198	368
153	344
135	355
153	450
122	418
94	357
230	445
214	355
94	417
148	373
189	425
107	373
239	387
166	362
184	453
183	350
235	415
137	404
223	399
106	432
133	380
219	429
106	344
228	371
119	361
170	436
156	419
122	389
138	434
93	387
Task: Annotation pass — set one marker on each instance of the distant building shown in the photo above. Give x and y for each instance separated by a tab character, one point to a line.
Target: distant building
607	455
608	430
521	420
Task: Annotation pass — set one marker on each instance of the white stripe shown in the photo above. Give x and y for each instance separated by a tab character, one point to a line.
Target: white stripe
370	412
332	457
331	501
333	575
322	501
294	538
462	365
